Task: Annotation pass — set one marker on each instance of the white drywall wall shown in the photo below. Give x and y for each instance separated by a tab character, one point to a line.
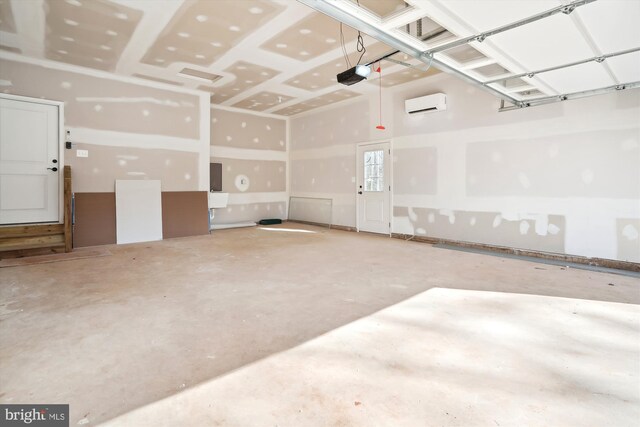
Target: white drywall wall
559	178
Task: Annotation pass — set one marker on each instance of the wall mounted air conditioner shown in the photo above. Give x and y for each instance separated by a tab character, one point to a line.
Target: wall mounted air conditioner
426	104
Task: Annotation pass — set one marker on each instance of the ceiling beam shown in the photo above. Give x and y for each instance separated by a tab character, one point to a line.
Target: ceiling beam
573	95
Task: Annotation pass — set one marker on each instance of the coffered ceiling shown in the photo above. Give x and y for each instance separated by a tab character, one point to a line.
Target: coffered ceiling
282	57
275	56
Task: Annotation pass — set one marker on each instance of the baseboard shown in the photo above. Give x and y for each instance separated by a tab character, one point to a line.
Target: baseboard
597	262
319	224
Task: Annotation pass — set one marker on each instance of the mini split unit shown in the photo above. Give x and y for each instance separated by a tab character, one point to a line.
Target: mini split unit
426	104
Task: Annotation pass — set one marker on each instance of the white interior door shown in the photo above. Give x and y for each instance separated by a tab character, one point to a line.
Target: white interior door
29	185
374	188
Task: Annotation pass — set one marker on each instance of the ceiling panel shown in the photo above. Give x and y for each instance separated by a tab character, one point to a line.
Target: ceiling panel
546	43
464	54
626	68
247	76
319	101
614	25
382	8
201	31
263	101
581	77
156	79
324	75
489	14
312	36
491	71
428	31
89	33
402	76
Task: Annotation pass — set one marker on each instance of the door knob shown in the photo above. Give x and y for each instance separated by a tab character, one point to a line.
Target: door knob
53	169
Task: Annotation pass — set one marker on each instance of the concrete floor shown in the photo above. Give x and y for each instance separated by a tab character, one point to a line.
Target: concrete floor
316	327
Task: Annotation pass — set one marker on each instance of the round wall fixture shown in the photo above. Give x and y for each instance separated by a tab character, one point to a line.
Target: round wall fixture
242	182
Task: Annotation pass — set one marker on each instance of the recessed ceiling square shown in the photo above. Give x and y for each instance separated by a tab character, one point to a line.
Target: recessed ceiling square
309	38
200	32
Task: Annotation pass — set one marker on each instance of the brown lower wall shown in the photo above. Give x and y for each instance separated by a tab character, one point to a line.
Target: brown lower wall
598	262
184	213
95	219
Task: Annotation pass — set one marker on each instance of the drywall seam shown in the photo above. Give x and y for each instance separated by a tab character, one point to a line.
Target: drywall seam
9	56
30	26
323	108
288	164
135	140
246	153
557	126
551	205
336	150
243	111
205	140
153	22
262	197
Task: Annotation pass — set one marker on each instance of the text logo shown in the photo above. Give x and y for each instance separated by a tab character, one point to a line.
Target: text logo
34	415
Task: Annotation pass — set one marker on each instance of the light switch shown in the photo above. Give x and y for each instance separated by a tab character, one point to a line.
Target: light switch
82	153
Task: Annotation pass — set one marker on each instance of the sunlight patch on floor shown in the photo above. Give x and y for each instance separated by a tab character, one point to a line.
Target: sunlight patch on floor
289	230
443	357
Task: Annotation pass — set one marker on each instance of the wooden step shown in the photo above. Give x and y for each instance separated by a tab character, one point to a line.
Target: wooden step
27	240
31	242
30	230
21	253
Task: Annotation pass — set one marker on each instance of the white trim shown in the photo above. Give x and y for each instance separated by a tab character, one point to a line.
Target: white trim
133	140
61	143
29	17
362	144
323	108
61	66
204	146
243	111
288	166
62	138
31	99
149	29
219	151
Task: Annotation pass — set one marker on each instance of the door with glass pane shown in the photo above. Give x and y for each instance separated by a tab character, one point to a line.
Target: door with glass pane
374	188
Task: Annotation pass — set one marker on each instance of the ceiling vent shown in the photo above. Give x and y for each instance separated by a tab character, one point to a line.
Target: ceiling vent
201	76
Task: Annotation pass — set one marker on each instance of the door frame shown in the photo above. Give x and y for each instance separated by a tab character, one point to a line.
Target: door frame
61	144
361	144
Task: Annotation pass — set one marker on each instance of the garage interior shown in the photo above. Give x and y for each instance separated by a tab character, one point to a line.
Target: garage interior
321	212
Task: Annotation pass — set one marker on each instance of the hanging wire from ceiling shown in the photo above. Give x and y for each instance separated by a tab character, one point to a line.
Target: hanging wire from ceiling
379	70
344	49
359	46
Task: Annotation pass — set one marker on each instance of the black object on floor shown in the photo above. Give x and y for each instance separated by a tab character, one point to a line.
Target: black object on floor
269	221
